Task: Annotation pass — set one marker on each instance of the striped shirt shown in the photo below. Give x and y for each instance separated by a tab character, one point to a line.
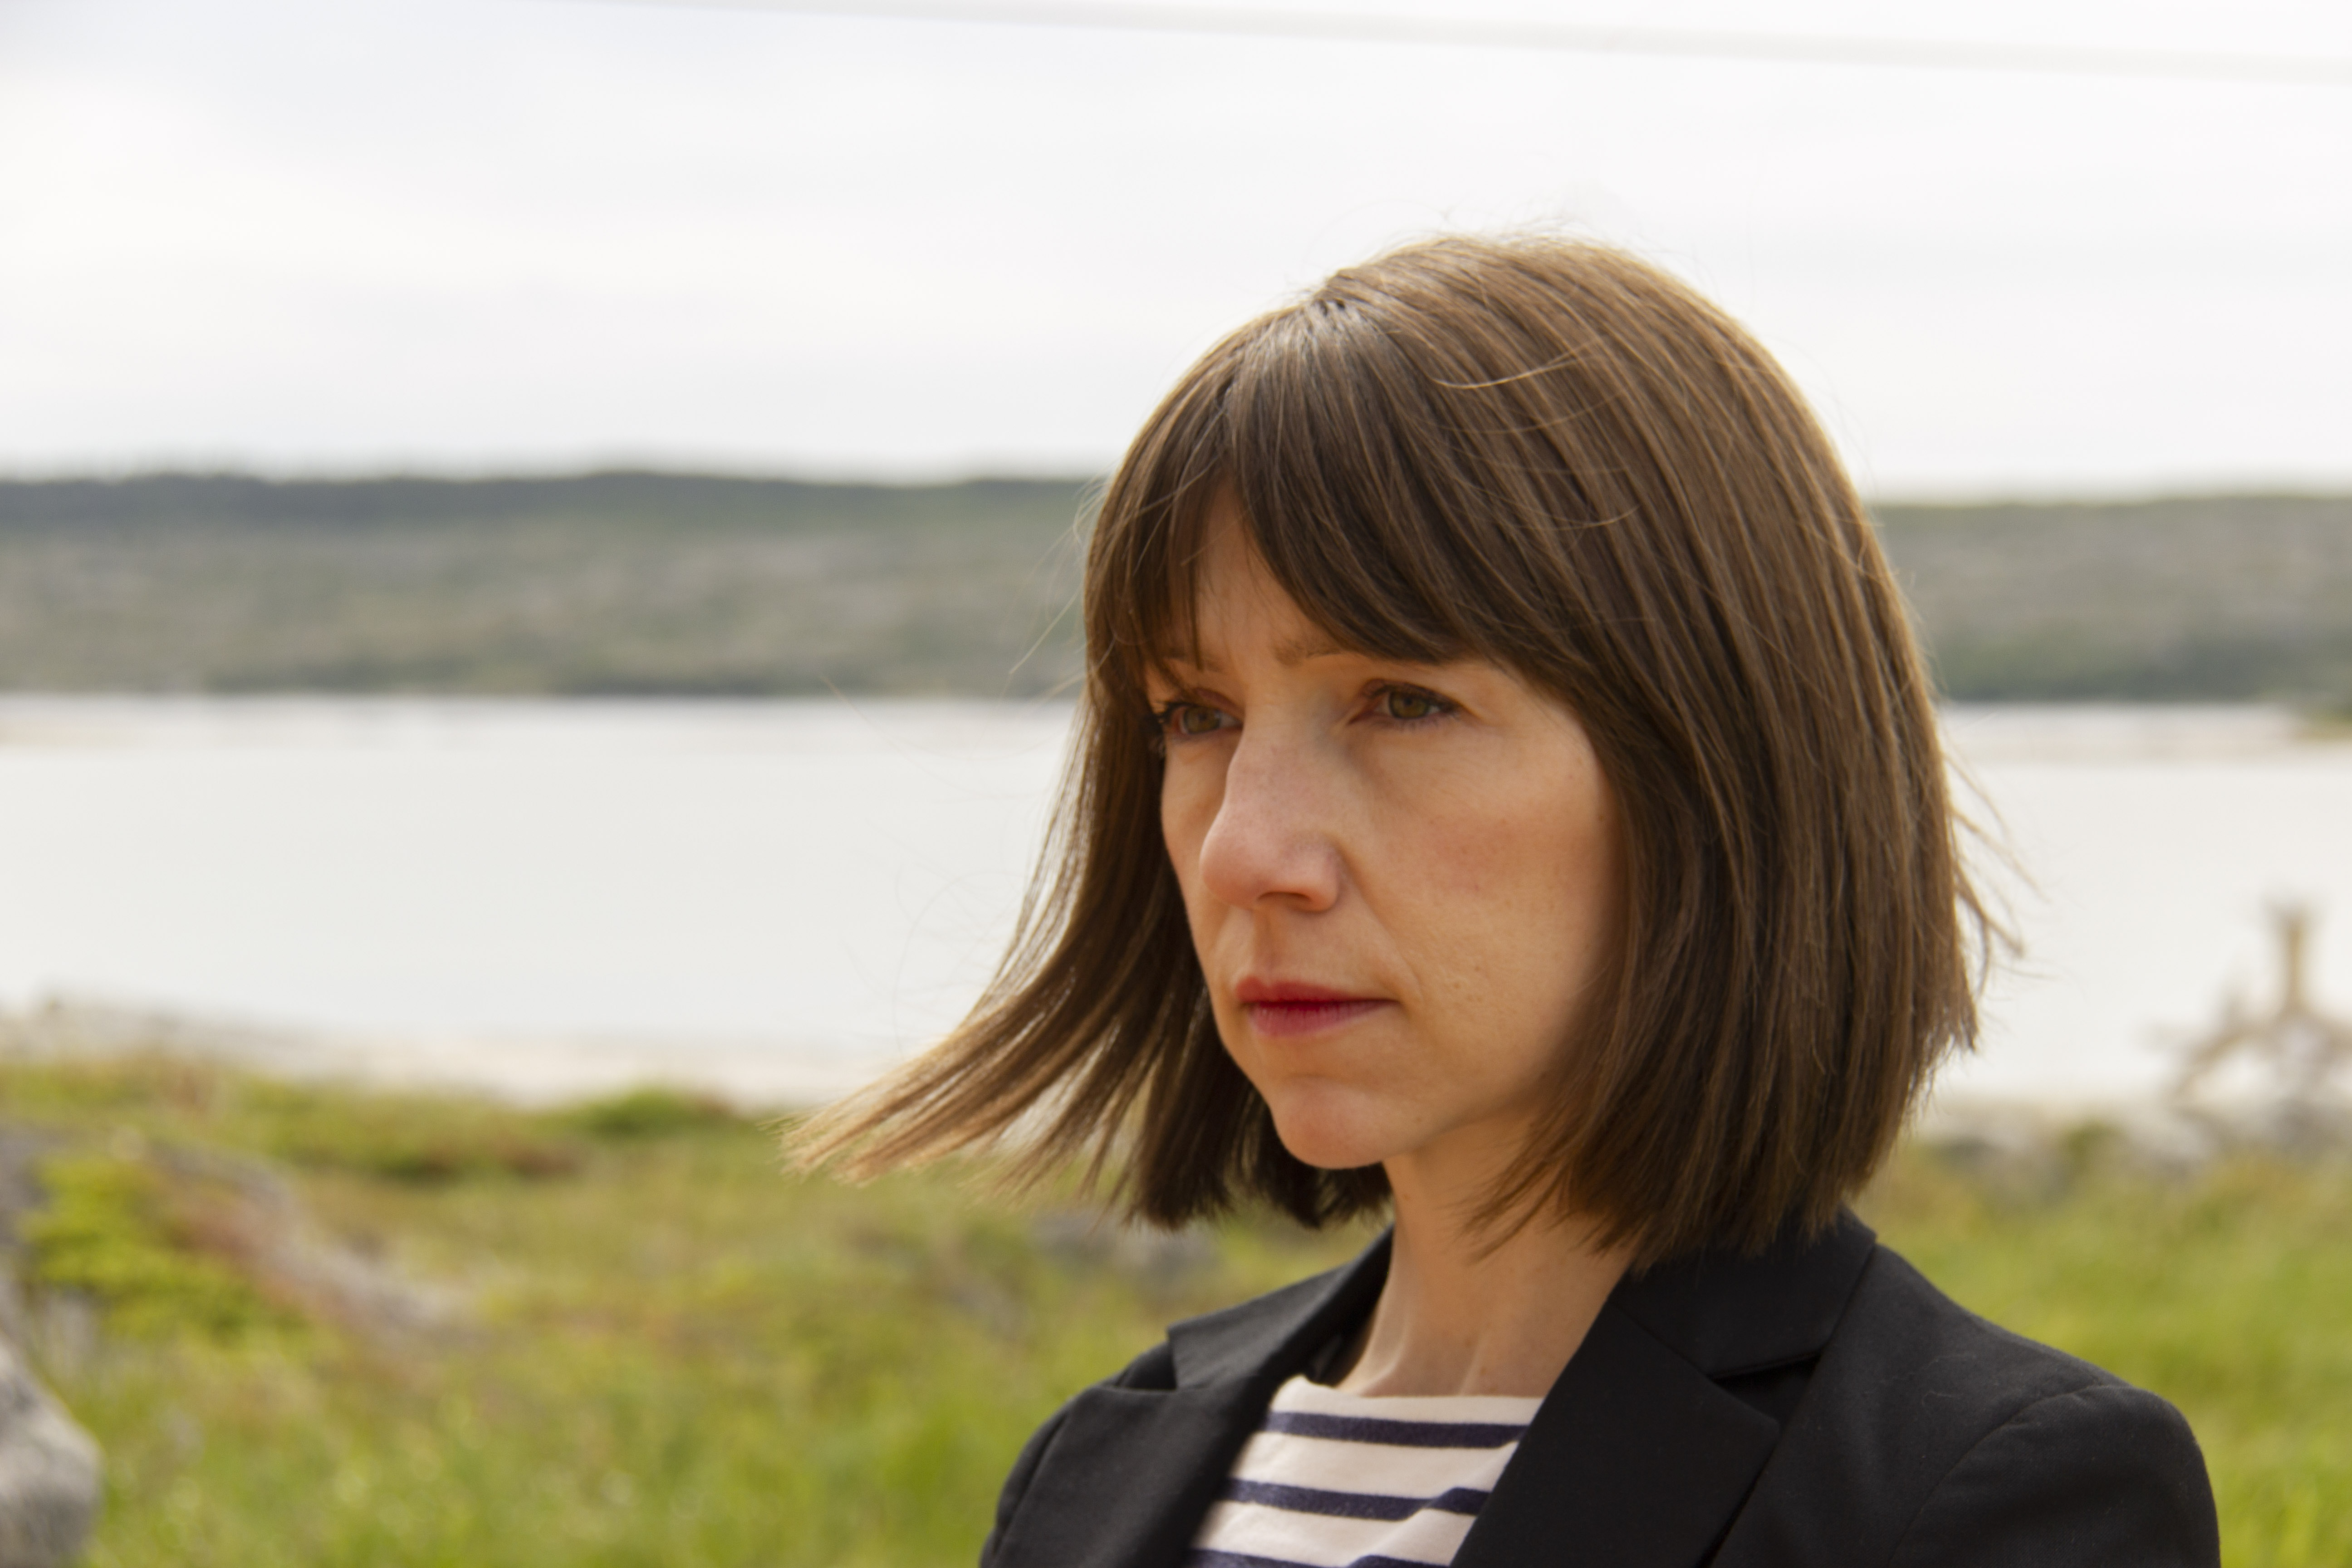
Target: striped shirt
1337	1480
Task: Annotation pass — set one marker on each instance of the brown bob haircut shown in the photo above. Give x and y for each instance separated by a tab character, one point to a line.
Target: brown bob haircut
1554	456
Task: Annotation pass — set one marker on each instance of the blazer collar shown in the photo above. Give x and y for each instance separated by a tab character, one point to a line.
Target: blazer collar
1726	1314
1636	1458
1276	1335
1723	1313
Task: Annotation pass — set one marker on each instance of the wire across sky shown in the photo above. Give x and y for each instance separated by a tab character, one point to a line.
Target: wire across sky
1387	27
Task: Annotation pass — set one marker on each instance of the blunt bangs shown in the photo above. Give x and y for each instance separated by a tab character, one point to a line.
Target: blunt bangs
1408	492
1316	495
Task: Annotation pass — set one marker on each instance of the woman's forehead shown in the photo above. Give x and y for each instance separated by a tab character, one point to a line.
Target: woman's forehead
1230	594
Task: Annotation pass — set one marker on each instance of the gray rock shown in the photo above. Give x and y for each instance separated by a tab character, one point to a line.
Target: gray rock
48	1473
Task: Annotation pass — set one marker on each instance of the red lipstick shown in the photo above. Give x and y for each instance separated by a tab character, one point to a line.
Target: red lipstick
1285	1009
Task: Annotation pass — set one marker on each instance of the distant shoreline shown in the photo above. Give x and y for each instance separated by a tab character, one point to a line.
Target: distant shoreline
751	1076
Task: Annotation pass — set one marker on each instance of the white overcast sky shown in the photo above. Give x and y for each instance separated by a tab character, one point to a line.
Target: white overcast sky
317	235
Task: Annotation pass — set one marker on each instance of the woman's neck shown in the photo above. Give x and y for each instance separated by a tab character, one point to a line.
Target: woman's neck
1462	1315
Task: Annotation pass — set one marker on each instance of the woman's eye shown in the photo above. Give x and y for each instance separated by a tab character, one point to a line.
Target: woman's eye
1402	702
1189	719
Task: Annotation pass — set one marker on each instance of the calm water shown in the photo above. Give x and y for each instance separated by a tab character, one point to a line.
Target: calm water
776	898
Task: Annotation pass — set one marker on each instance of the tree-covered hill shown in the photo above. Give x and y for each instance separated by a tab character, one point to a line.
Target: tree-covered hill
611	583
653	583
2212	598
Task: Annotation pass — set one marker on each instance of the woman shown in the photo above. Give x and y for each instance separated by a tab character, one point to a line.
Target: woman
1507	793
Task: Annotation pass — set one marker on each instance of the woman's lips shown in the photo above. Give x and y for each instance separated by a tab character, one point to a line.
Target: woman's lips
1282	1010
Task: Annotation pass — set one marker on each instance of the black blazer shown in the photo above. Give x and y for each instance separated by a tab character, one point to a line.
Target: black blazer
1821	1405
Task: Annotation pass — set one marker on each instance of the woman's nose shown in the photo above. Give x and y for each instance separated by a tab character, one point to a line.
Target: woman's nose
1271	840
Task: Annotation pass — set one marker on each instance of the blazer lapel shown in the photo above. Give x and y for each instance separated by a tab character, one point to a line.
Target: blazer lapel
1636	1461
1129	1476
1638	1458
1125	1480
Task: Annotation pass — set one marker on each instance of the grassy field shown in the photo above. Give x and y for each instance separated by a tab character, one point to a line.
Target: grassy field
320	1328
684	585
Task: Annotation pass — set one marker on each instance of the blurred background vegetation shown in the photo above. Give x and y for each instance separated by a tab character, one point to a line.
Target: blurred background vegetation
607	585
317	1327
646	584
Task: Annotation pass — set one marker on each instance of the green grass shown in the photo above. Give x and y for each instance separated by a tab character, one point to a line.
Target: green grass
666	1351
671	1352
109	1230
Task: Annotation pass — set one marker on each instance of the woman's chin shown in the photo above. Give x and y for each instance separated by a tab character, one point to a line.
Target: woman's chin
1331	1137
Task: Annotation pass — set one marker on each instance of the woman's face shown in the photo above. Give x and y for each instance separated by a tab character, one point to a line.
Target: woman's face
1400	878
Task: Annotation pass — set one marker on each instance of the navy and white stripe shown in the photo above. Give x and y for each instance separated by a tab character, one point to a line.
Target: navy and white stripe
1338	1480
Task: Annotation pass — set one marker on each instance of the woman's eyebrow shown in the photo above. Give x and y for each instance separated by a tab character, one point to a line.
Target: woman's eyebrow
1181	670
1305	647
